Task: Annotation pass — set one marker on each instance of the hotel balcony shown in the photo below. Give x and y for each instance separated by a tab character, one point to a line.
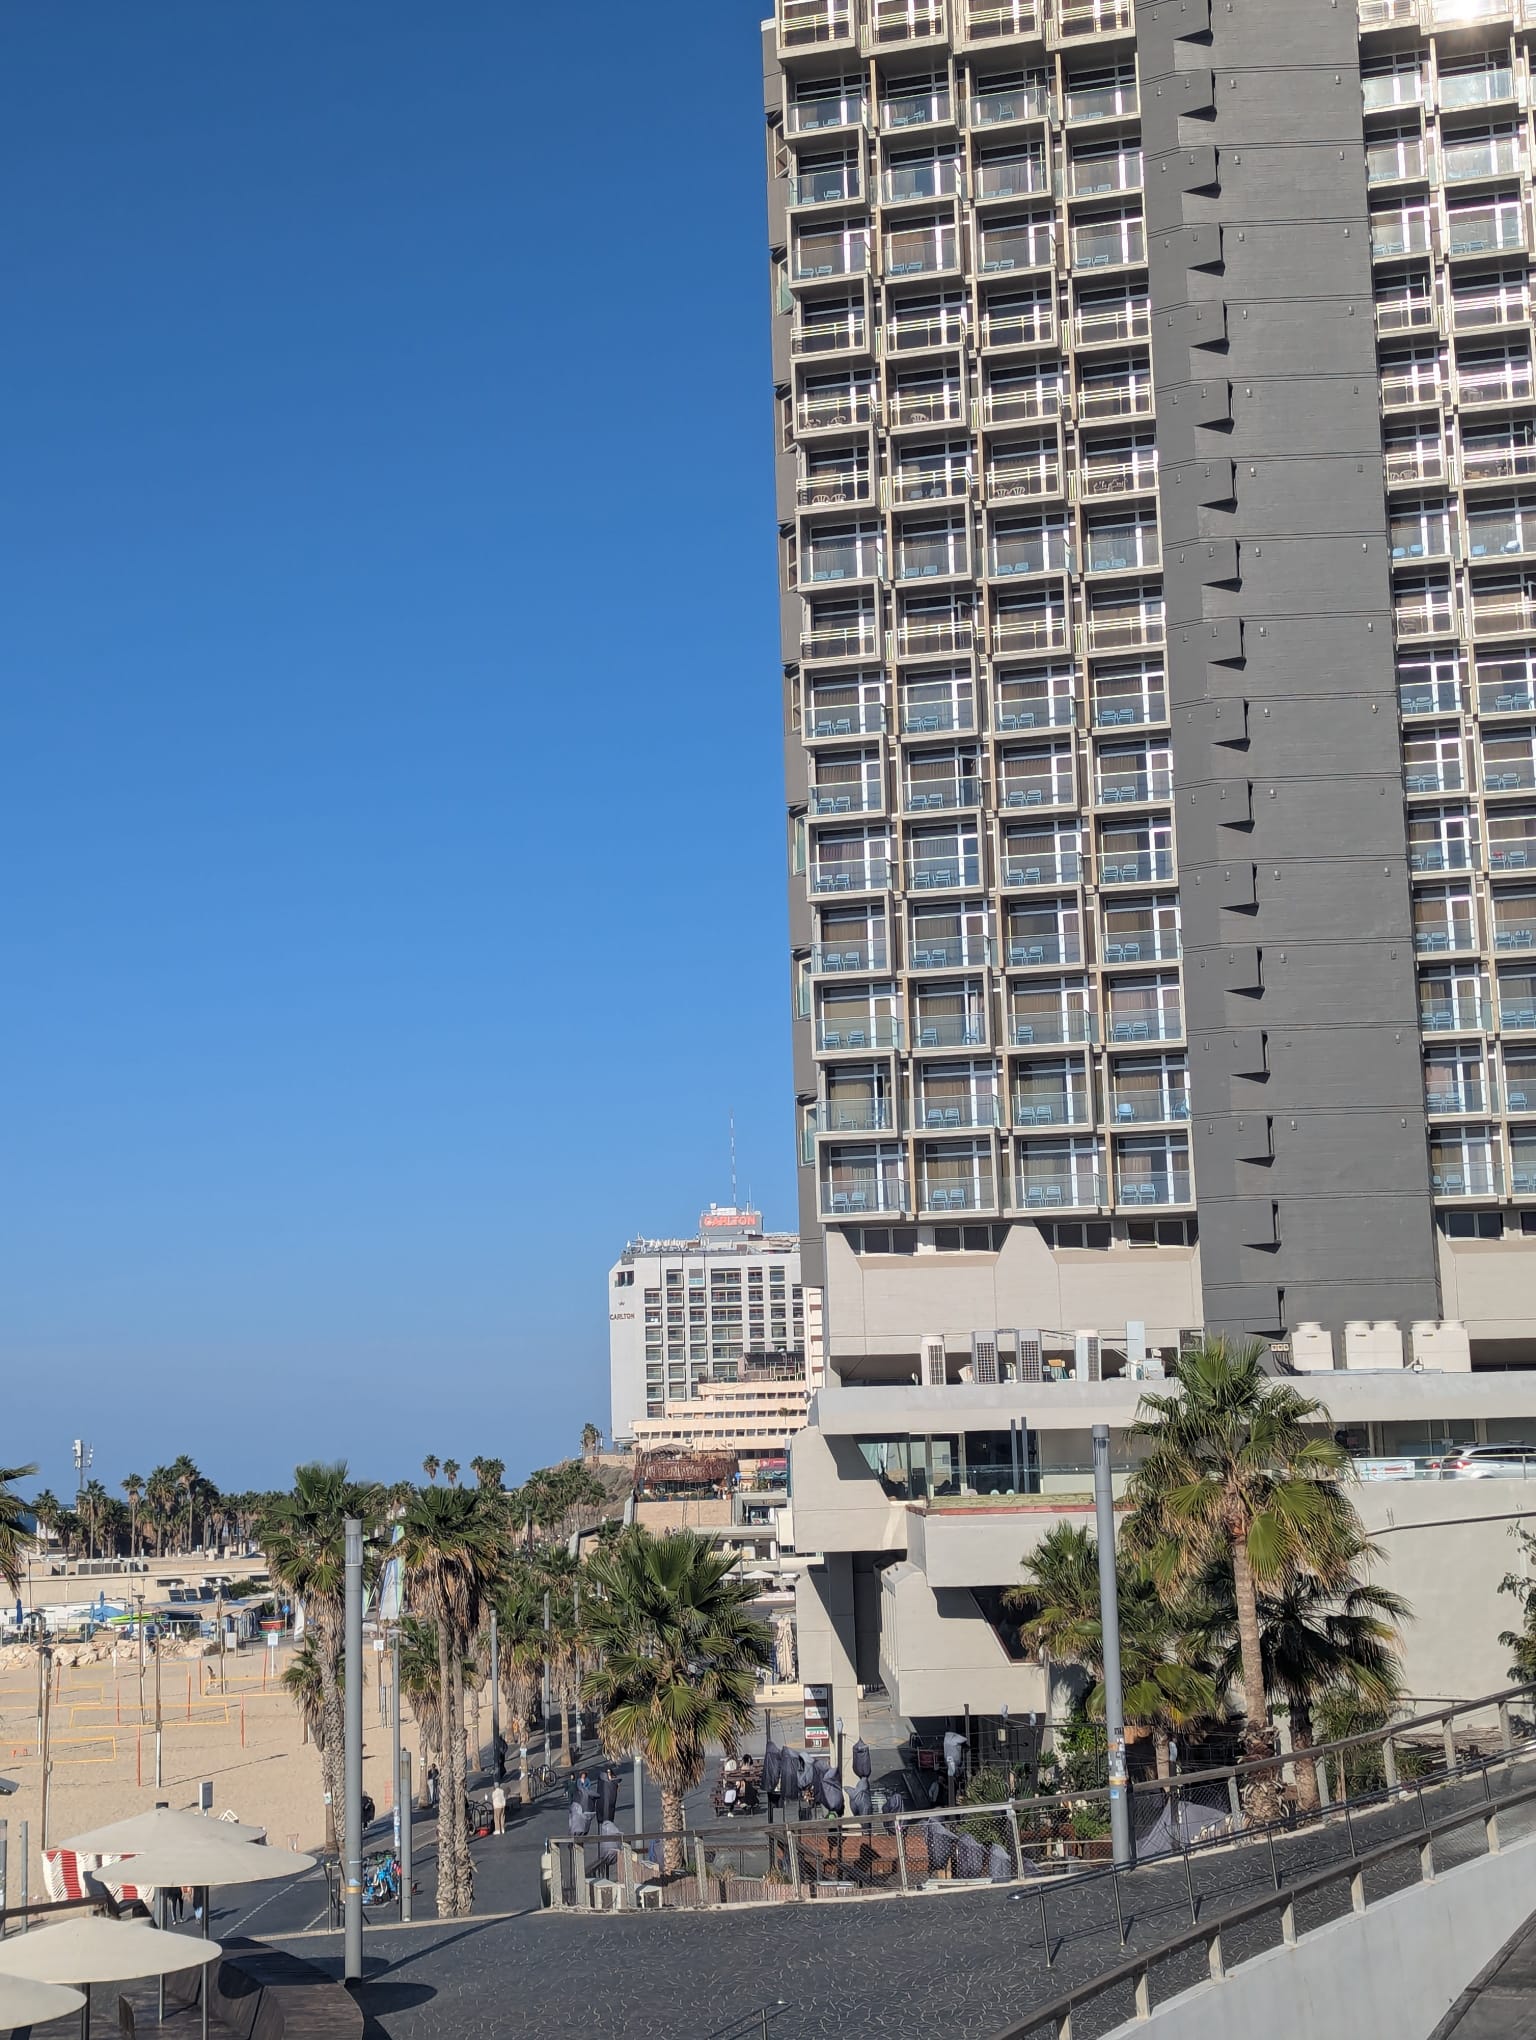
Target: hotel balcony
1395	235
1407	312
1123	631
1508	383
914	183
1444	937
832	488
999	178
1506	614
925	795
1116	707
834	410
833	184
871	875
1031	404
1517	1005
1010	478
817	111
839	719
904	21
1424	617
1130	1025
921	251
1018	789
847	797
1135	789
1481	84
910	408
853	1192
814	25
944	872
1029	705
815	257
856	640
939	1111
1522	1155
848	333
1496	466
1511	849
1481	311
948	1029
1396	160
836	1036
1433	774
940	1189
1043	1106
1479	159
1038	1187
1501	533
1432	697
930	107
859	1113
1465	1173
1148	1104
1127	941
1392	91
1076	19
1170	1186
1508	765
1506	697
1456	1094
1415	465
827	558
1113	325
1005	249
1043	632
927	637
1439	853
1468	1015
1103	403
933	552
987	22
948	952
1388	13
1412	389
1514	924
1084	103
848	957
1049	1026
931	710
1118	475
1027	951
1023	872
1109	244
1022	326
1134	867
922	332
1010	104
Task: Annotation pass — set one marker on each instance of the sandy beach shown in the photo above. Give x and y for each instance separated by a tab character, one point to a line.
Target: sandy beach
242	1732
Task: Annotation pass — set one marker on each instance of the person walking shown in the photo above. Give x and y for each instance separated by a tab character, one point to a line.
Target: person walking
499	1808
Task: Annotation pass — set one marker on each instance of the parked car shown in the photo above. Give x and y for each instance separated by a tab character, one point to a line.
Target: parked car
1508	1461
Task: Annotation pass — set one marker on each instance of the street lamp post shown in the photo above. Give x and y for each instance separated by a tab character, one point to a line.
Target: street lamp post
352	1530
1109	1624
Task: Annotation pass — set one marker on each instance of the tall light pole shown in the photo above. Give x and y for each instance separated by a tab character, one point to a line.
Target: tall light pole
1109	1622
497	1766
352	1968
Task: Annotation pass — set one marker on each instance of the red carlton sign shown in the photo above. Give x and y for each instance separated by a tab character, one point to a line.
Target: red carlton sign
731	1221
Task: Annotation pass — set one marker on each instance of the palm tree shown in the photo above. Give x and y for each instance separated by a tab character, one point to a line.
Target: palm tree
305	1545
1234	1476
419	1684
13	1531
591	1438
489	1472
430	1465
93	1502
133	1488
1165	1683
452	1551
451	1472
304	1683
160	1492
678	1657
1320	1640
47	1511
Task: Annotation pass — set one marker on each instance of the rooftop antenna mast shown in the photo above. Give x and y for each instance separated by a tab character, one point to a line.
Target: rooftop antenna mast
734	1205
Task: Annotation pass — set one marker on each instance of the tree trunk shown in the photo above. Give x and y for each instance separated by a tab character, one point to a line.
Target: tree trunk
672	1822
1262	1794
1308	1799
447	1859
424	1752
1160	1752
333	1740
464	1869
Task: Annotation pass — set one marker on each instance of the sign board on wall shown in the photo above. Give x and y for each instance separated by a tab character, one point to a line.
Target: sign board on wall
818	1717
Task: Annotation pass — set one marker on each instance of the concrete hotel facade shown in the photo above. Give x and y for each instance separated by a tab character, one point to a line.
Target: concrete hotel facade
1156	437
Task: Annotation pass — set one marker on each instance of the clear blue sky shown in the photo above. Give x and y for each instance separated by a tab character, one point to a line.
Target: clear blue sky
390	756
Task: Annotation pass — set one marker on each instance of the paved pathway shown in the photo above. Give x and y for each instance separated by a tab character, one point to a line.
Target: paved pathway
1501	2004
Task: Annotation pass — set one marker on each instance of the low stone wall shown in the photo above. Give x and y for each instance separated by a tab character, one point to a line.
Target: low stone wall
261	1993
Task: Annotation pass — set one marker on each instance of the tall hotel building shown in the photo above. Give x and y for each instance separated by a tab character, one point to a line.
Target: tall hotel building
1156	443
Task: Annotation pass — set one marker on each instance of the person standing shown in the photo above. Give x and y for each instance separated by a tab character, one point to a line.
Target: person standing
499	1807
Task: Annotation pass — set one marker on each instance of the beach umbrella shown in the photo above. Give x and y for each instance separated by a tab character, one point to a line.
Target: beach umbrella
146	1830
90	1949
25	2003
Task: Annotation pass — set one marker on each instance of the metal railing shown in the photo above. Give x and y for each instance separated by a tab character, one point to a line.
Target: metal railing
1051	1838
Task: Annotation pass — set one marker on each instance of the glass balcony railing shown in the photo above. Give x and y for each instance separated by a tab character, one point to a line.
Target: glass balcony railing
923	637
849	560
950	952
854	1196
920	559
1508	384
897	21
1102	102
923	718
1485	86
1522	1182
847	797
1051	712
859	640
1444	935
1031	326
1009	248
1145	1023
831	186
857	719
824	411
1134	867
925	795
940	179
1453	1016
1043	1105
948	1030
1520	1089
1033	552
1016	102
1485	230
1141	945
911	333
987	21
1109	244
941	1114
1503	615
1439	775
1493	156
1440	856
1022	870
1113	324
1122	711
821	255
1466	1175
1041	1189
915	109
1491	535
846	334
1012	177
1508	775
1517	1009
1048	790
949	1193
1470	1094
1174	1187
846	957
943	873
1394	234
1009	480
862	1032
1123	546
1512	853
1506	697
854	1115
1148	1107
1515	936
1395	162
815	114
1025	951
835	878
1120	789
1036	1027
1436	697
1383	90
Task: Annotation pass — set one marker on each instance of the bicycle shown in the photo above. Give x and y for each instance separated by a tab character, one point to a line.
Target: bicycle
381	1885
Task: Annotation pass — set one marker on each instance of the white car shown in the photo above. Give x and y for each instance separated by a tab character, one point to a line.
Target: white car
1486	1462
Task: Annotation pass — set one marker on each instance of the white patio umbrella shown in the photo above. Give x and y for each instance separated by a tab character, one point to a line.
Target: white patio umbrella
90	1949
147	1830
202	1855
26	2003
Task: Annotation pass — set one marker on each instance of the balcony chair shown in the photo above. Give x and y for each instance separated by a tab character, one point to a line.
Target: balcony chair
853	959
